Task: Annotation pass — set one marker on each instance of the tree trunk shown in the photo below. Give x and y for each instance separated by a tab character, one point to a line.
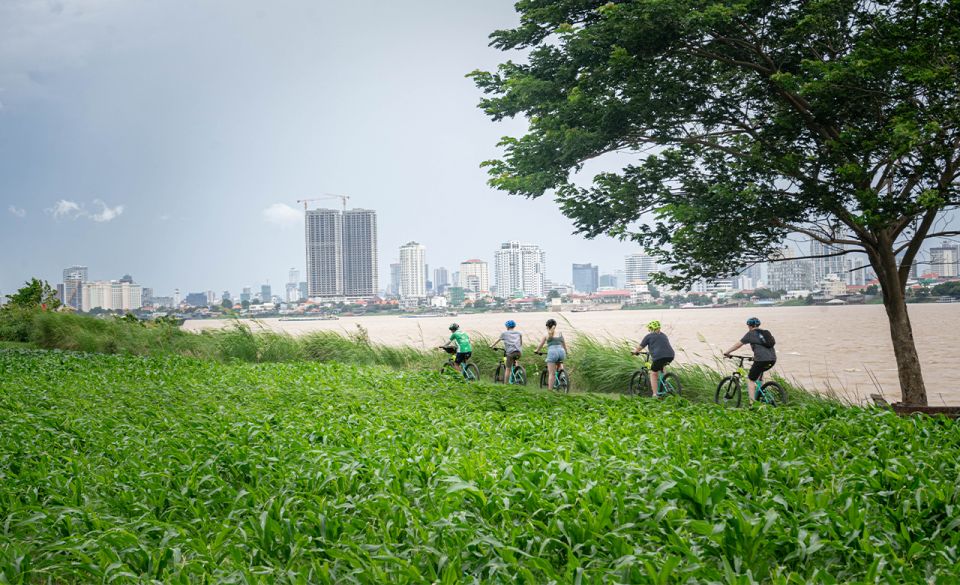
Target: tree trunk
912	388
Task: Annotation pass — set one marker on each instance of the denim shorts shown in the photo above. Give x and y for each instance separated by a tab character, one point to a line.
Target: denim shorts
555	354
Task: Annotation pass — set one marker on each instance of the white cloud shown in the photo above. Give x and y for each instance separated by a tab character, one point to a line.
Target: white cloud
64	209
283	215
18	211
106	213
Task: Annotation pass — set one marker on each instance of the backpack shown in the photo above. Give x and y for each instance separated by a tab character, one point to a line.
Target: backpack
768	340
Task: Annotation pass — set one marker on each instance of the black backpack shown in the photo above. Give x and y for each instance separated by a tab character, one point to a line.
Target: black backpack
768	340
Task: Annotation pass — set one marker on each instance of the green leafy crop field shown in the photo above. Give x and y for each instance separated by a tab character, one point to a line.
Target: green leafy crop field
171	469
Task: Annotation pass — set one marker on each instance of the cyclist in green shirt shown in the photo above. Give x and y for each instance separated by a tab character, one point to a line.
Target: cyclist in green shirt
461	341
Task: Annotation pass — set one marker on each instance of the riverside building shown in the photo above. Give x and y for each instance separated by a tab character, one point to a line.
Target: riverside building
341	254
413	282
519	270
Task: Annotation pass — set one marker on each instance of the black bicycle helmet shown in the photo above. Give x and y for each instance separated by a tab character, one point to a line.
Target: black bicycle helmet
454	327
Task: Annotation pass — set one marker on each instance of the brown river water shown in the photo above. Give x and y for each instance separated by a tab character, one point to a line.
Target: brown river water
844	350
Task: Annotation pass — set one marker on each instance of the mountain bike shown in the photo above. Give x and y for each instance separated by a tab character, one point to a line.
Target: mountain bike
518	375
561	383
730	388
470	373
669	383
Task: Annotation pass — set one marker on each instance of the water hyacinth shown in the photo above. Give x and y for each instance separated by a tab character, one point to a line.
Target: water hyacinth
171	469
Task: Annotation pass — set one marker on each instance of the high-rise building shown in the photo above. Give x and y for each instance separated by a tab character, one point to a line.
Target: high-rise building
304	290
441	280
586	278
197	299
827	259
394	289
413	283
855	270
945	260
266	293
342	253
474	276
324	236
789	273
360	266
638	268
607	281
293	275
73	280
211	298
519	269
226	296
246	295
146	296
111	295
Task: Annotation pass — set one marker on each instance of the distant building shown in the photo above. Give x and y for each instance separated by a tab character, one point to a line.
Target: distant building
520	270
638	267
293	275
474	276
146	297
789	273
945	260
441	280
826	259
586	278
304	290
226	296
457	296
341	253
394	289
111	295
855	270
607	281
196	299
211	297
266	293
246	295
163	302
73	281
413	284
360	264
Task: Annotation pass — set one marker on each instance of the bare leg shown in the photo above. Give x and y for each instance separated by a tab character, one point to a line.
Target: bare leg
654	382
551	374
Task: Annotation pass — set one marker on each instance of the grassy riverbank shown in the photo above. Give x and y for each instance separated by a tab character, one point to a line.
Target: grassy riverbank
125	468
594	365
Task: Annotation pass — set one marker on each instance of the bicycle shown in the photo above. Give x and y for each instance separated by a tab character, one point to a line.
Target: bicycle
470	373
561	383
518	375
729	389
669	383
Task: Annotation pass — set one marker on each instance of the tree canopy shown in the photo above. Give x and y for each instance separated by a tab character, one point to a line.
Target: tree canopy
737	124
35	294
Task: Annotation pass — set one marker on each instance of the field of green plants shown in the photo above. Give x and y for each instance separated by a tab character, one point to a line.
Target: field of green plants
120	468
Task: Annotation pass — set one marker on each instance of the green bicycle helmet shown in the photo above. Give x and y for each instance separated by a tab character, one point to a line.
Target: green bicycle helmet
653	325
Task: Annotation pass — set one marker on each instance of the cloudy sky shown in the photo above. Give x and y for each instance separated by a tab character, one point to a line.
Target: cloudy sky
171	139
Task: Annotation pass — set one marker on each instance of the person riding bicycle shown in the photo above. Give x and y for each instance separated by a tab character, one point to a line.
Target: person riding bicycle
761	342
512	346
661	352
556	351
460	341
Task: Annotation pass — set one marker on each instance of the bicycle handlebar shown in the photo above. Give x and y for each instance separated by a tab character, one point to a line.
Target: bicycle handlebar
742	358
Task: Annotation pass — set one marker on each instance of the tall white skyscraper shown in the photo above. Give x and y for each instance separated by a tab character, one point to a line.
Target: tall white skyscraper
474	276
638	267
945	259
73	280
413	282
825	264
519	270
341	253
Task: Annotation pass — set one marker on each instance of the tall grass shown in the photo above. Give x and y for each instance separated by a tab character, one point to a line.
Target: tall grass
594	364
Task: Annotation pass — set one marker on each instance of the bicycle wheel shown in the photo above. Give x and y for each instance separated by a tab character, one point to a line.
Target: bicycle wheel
563	382
671	384
519	376
471	373
543	379
498	375
639	384
728	392
773	394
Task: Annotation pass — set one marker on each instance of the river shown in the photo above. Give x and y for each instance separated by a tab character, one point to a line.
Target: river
833	349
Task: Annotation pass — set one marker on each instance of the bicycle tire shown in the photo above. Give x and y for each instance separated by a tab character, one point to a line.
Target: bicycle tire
543	379
498	375
639	384
728	392
472	373
671	383
773	394
563	382
519	376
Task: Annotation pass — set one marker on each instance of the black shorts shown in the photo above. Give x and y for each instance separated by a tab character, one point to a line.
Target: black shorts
758	368
658	365
512	358
462	357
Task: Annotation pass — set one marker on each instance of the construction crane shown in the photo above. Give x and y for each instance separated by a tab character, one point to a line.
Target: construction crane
342	198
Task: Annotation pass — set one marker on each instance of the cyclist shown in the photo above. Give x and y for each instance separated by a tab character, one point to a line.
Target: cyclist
512	345
661	352
556	351
764	356
461	341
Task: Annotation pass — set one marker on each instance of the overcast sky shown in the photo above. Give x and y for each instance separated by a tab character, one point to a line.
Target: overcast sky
171	139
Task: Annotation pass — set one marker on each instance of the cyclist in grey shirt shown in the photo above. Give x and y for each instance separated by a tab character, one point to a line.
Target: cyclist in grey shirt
761	342
661	352
512	341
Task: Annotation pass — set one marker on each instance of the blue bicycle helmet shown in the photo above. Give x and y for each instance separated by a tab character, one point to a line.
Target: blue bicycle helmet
510	324
753	322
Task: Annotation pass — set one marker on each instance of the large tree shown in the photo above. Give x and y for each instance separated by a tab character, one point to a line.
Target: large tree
737	124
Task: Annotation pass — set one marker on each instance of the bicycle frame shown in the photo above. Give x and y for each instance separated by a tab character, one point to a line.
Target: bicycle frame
662	389
512	379
741	374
